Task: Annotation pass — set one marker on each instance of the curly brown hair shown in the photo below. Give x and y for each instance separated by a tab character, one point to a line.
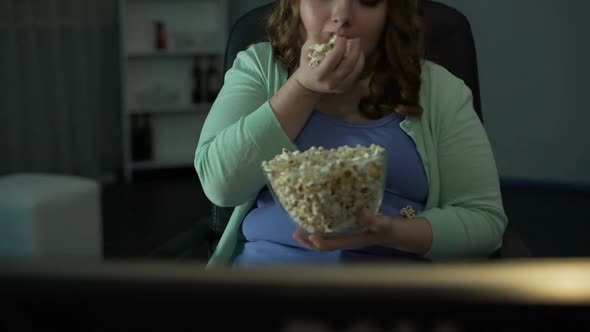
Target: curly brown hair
395	87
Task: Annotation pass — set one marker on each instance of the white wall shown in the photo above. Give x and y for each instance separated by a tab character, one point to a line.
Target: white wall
534	62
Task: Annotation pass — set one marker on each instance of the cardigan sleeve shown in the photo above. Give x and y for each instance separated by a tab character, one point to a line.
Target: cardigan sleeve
469	220
240	132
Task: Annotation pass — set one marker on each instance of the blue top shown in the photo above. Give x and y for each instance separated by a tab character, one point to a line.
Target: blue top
268	229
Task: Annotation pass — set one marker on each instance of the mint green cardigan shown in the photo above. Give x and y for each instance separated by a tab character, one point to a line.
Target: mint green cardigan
464	204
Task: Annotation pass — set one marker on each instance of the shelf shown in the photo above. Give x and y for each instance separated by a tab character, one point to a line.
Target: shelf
160	83
200	108
172	54
157	164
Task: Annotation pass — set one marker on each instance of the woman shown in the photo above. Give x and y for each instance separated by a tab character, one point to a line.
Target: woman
381	91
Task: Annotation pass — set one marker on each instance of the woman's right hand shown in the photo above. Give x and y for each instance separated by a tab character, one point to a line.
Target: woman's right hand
337	72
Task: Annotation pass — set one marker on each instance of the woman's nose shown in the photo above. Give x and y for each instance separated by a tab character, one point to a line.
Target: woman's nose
341	13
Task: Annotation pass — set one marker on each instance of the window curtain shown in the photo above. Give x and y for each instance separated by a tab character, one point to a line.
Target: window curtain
59	87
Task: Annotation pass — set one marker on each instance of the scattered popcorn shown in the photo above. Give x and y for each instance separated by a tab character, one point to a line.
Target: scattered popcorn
319	51
325	191
408	212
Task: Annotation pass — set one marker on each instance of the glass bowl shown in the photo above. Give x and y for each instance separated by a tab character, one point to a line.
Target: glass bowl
329	195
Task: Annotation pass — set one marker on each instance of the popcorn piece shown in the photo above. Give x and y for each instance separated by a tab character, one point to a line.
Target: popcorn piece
325	190
319	51
408	212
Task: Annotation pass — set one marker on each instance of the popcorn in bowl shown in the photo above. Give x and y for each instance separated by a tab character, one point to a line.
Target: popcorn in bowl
325	191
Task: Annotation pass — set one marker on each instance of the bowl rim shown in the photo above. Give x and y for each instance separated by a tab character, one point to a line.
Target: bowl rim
381	156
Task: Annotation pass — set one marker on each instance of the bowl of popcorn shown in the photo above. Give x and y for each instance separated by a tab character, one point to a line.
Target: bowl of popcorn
326	191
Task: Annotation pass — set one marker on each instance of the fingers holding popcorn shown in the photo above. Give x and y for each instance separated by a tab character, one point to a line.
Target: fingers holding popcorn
327	67
349	78
349	64
333	57
318	51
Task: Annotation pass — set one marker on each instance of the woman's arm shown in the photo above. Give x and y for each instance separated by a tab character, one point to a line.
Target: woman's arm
292	106
469	220
414	235
244	128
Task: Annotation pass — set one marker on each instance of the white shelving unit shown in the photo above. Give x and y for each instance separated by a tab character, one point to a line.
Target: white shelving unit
158	83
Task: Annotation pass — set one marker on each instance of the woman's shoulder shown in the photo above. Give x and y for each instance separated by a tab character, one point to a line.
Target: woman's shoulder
257	60
437	76
259	54
263	49
439	85
442	93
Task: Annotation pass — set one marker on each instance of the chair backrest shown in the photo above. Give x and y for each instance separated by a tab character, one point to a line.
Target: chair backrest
449	43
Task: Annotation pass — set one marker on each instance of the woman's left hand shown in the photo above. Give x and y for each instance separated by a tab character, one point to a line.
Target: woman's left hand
378	233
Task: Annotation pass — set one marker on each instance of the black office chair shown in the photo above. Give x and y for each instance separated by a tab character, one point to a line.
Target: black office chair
449	43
